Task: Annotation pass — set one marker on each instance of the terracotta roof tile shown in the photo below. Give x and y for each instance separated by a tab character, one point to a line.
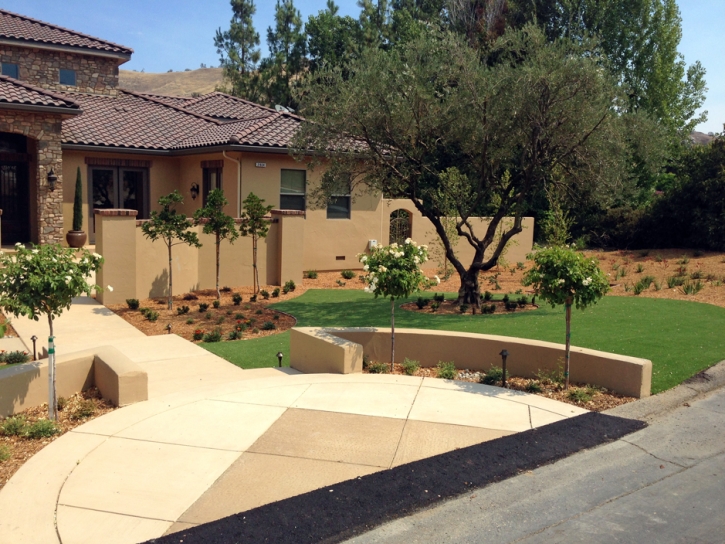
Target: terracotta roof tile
168	99
20	27
224	106
13	91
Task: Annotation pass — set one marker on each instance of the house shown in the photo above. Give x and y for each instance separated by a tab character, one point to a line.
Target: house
61	110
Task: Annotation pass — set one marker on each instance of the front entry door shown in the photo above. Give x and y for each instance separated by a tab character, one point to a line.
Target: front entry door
14	202
114	188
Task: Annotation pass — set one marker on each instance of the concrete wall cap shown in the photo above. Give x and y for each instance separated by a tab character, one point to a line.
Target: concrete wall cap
115	213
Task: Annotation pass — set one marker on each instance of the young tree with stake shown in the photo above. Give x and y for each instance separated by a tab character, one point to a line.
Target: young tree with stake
563	276
172	228
255	225
218	223
41	281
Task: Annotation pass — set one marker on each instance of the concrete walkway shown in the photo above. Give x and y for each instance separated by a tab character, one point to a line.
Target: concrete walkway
662	484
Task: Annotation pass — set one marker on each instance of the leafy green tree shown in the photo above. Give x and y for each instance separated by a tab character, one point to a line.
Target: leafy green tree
42	281
332	39
78	203
172	228
394	272
432	122
563	276
375	23
256	225
216	222
287	48
239	50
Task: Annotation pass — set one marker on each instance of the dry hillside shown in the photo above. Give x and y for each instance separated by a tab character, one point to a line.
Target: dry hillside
202	80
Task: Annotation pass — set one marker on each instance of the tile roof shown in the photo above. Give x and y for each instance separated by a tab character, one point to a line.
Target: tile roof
168	99
20	27
224	106
13	91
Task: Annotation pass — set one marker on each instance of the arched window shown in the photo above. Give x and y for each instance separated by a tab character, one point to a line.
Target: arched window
401	226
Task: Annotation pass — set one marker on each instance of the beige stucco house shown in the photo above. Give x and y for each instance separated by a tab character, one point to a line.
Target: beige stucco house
61	109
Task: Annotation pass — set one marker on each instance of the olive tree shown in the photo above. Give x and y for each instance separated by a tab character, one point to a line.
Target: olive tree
561	275
256	225
42	281
394	272
465	133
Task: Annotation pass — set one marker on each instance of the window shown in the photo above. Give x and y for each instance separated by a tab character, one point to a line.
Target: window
10	70
338	206
292	192
212	179
67	77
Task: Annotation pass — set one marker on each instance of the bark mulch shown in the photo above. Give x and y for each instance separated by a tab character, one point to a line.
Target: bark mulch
451	307
76	410
548	384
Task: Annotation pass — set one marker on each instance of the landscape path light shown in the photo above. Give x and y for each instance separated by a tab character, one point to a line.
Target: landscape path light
504	355
279	358
34	339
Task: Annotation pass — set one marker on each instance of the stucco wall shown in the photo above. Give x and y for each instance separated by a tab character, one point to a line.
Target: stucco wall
41	67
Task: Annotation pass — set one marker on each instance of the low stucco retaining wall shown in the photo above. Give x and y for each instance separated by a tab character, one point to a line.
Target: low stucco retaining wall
119	379
334	350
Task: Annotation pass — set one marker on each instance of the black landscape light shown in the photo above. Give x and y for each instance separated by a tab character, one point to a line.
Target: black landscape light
279	358
34	339
504	355
168	328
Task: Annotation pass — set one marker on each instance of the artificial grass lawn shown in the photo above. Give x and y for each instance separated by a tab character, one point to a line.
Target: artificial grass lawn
680	338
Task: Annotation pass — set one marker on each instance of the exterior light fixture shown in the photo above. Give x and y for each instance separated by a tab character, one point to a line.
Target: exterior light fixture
504	355
52	179
34	339
194	191
168	328
279	358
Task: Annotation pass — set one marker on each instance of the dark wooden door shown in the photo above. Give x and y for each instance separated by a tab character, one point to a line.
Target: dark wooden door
14	202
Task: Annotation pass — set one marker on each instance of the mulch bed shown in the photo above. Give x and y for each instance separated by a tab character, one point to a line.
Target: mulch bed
600	398
451	307
341	511
74	413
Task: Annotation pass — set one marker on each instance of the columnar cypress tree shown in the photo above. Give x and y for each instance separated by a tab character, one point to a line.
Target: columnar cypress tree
78	203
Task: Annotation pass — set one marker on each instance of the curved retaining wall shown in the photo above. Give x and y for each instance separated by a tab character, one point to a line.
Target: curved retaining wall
341	350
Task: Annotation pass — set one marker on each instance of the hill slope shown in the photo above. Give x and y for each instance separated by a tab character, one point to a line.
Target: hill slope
202	80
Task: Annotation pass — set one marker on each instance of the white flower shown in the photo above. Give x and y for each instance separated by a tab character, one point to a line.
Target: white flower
424	247
561	281
587	281
438	280
365	268
29	258
399	254
67	280
109	288
54	260
392	252
18	245
416	259
381	268
97	256
408	240
394	244
369	289
363	259
34	251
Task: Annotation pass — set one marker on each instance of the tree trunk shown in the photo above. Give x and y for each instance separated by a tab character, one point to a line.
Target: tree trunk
255	273
470	291
170	302
218	293
52	399
568	341
392	334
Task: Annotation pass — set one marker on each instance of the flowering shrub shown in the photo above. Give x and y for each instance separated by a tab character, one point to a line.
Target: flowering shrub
198	334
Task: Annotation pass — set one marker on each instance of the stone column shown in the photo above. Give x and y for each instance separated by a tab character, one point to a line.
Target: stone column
50	203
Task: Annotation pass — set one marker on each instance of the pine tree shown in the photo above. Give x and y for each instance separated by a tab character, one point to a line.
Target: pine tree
239	50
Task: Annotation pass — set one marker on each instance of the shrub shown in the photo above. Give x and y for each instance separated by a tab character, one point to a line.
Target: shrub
182	310
658	258
132	303
638	288
203	307
226	289
439	298
62	403
269	326
265	294
378	368
487	296
340	283
234	335
579	396
208	315
238	316
463	308
410	367
5	453
216	304
506	298
675	281
447	370
639	269
190	296
488	309
253	298
83	409
144	311
152	315
311	274
213	336
533	387
14	426
697	275
43	428
523	300
285	289
220	320
422	302
520	265
552	377
347	274
275	293
237	299
684	260
434	306
692	288
493	376
255	330
275	317
258	312
681	271
648	281
190	321
198	334
290	285
511	306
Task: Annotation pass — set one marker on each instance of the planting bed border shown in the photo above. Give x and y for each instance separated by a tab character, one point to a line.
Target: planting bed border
338	512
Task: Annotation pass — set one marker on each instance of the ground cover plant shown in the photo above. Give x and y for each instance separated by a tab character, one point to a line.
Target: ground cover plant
680	338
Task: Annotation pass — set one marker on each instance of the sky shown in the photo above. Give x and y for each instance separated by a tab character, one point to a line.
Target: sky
179	34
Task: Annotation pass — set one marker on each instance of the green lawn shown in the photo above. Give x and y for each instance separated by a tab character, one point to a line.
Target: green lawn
680	338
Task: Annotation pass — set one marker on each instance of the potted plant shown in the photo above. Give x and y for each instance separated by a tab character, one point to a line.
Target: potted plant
76	238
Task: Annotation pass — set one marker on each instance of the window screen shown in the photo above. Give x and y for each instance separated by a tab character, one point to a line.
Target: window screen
338	206
292	191
10	70
67	77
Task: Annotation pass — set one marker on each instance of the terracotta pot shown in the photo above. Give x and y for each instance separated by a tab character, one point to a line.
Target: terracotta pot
76	238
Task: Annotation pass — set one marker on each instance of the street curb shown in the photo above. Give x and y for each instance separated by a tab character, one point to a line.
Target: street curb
650	408
335	513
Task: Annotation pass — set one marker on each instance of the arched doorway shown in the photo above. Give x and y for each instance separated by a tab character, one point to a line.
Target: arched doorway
401	226
14	188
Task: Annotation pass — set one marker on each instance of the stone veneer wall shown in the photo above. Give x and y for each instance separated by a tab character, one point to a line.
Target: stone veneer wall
41	67
46	206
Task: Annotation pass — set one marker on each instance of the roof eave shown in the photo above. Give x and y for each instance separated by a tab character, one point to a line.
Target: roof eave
175	152
125	57
37	108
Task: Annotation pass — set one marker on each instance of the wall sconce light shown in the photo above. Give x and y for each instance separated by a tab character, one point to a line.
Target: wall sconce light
52	179
194	191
